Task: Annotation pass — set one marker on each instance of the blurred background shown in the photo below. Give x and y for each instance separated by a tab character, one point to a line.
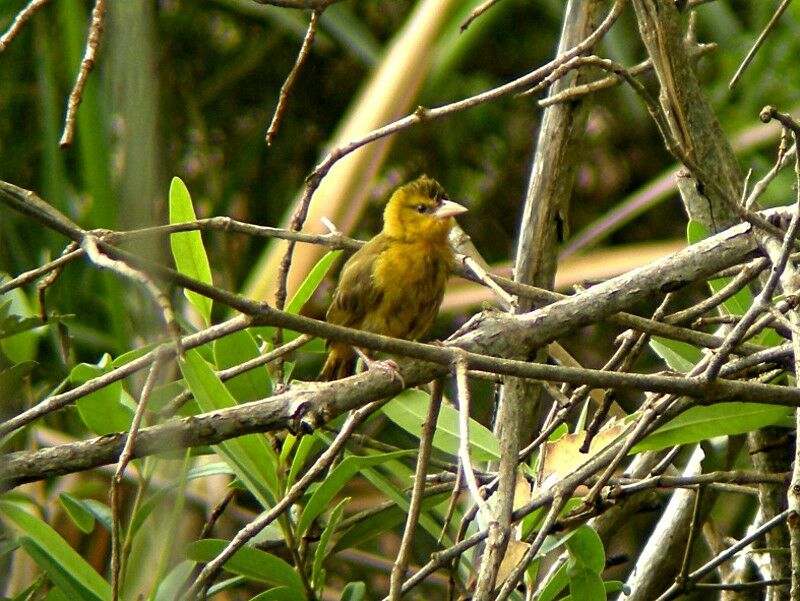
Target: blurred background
187	88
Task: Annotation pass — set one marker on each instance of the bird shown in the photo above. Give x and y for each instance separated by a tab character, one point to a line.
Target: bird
394	284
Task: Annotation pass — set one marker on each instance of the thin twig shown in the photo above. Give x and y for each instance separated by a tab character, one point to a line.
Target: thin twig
759	304
415	506
224	375
22	17
744	277
283	96
90	245
31	275
87	64
477	12
463	430
574	92
763	36
56	401
124	459
201	584
677	588
687	553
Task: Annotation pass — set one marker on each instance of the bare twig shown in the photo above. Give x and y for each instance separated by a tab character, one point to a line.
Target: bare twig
90	246
574	92
283	96
22	17
477	12
300	4
763	36
248	532
676	589
124	459
87	64
463	430
415	506
744	277
226	374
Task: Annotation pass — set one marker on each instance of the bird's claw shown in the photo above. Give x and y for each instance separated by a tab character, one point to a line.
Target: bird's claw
390	367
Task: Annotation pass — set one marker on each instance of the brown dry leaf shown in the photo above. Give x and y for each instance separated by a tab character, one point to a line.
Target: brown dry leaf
514	552
562	456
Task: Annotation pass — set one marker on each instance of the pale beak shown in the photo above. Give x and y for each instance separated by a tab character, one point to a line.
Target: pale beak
449	209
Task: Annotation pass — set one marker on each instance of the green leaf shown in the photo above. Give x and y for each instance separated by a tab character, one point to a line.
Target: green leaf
586	548
12	381
210	469
18	316
250	563
102	410
304	292
312	281
553	586
77	512
301	454
402	473
318	581
679	356
585	584
354	591
409	409
100	511
341	475
610	586
381	522
696	232
187	247
235	349
281	593
739	302
254	461
63	565
721	419
171	585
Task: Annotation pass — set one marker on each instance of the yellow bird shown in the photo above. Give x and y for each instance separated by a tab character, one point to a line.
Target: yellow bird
394	284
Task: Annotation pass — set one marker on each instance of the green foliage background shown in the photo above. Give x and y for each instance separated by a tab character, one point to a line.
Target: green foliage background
188	88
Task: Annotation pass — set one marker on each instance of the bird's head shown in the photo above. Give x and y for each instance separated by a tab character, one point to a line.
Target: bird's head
420	210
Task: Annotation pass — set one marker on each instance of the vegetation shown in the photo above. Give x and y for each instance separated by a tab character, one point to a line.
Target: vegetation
163	433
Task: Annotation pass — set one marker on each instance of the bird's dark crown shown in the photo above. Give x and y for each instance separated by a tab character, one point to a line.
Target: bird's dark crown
427	187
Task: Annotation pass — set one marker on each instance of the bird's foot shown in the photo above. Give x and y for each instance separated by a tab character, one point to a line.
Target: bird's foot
389	367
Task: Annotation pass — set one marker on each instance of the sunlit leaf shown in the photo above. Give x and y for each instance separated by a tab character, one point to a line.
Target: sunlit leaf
250	563
187	247
704	422
409	409
340	476
63	565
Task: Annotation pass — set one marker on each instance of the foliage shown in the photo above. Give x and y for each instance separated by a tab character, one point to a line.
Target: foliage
171	128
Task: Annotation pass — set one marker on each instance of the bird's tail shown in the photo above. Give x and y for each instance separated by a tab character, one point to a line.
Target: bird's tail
341	363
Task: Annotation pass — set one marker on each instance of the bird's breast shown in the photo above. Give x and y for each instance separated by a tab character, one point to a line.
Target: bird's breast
411	278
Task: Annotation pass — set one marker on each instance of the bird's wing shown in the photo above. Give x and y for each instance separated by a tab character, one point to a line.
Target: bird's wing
357	295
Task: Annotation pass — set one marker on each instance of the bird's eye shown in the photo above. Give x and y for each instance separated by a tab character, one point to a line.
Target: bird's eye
421	208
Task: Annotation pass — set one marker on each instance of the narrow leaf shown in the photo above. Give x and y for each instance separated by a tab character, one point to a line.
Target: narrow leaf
321	551
679	356
52	553
721	419
354	591
187	247
77	512
341	475
409	409
253	460
250	563
235	349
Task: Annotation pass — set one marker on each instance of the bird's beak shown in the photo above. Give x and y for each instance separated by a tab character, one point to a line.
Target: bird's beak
449	209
